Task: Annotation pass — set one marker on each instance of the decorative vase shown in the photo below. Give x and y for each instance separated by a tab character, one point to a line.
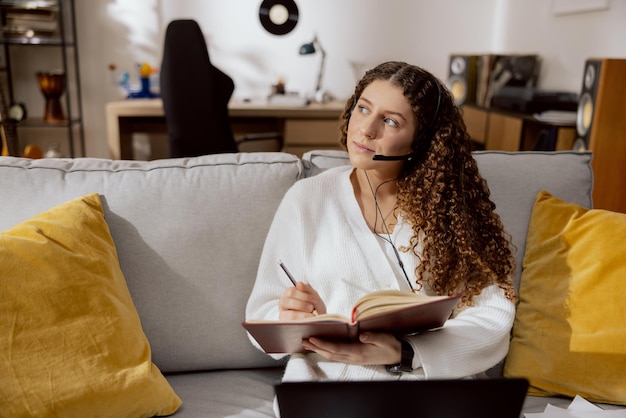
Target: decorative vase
52	85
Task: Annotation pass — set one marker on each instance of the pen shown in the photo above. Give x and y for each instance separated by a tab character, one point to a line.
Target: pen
291	278
282	266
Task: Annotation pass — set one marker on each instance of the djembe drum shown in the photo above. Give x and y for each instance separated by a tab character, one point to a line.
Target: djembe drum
52	85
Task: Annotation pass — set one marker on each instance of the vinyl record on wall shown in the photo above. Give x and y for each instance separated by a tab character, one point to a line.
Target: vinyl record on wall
278	17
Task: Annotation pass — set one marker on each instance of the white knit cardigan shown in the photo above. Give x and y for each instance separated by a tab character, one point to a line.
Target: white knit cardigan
320	234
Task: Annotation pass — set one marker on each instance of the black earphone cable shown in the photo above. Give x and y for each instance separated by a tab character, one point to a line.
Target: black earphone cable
388	238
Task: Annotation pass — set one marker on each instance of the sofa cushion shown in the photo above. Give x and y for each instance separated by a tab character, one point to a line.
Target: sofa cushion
569	336
314	162
514	179
71	342
189	234
226	393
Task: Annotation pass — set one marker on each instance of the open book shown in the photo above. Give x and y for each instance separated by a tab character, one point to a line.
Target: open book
392	311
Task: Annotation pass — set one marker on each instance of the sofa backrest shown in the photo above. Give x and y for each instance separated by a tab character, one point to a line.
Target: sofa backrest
514	179
189	234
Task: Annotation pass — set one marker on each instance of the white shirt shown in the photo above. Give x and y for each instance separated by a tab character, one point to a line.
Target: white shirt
320	234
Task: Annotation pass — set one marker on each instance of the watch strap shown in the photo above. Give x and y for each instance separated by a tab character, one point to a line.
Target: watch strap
406	359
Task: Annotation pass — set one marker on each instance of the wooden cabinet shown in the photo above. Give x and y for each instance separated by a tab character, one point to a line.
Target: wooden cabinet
503	132
302	135
476	120
494	129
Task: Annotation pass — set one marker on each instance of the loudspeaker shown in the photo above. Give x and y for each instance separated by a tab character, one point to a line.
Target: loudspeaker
601	128
462	78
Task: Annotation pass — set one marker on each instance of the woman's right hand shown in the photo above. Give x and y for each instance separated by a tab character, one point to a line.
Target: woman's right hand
300	301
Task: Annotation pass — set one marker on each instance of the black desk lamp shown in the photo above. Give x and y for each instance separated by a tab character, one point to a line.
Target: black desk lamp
311	48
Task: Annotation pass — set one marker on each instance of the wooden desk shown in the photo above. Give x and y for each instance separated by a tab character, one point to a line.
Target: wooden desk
496	129
315	126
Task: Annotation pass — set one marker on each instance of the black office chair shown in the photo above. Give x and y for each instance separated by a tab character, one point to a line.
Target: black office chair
195	96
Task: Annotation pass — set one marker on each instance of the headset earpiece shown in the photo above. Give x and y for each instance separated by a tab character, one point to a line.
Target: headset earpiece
349	114
423	138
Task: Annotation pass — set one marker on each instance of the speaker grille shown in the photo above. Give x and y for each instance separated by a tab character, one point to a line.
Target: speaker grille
458	88
590	77
457	65
584	115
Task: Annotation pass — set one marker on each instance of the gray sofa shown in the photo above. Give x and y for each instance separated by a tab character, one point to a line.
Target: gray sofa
189	233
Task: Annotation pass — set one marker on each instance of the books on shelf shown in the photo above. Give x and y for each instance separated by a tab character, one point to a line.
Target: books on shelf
20	20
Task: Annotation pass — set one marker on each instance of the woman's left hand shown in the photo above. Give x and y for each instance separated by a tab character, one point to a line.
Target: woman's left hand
371	349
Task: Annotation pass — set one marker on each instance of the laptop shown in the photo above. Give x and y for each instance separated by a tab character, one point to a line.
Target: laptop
462	398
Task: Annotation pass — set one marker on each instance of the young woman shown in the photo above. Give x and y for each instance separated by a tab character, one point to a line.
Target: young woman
411	212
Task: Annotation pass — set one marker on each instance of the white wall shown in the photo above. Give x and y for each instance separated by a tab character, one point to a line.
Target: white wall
351	31
563	41
424	32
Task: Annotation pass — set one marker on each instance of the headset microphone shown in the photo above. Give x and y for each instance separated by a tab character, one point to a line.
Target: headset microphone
380	157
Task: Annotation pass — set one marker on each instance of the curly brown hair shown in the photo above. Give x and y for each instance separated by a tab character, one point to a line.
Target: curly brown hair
441	192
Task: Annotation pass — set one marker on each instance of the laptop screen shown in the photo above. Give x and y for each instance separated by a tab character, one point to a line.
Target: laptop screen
466	398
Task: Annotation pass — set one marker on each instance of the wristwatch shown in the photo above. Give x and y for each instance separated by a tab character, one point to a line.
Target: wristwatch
406	360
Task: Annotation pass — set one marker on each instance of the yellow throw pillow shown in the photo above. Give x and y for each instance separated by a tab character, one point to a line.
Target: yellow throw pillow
71	343
569	335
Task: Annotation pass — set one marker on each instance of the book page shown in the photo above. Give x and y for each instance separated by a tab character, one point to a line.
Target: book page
388	300
319	318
